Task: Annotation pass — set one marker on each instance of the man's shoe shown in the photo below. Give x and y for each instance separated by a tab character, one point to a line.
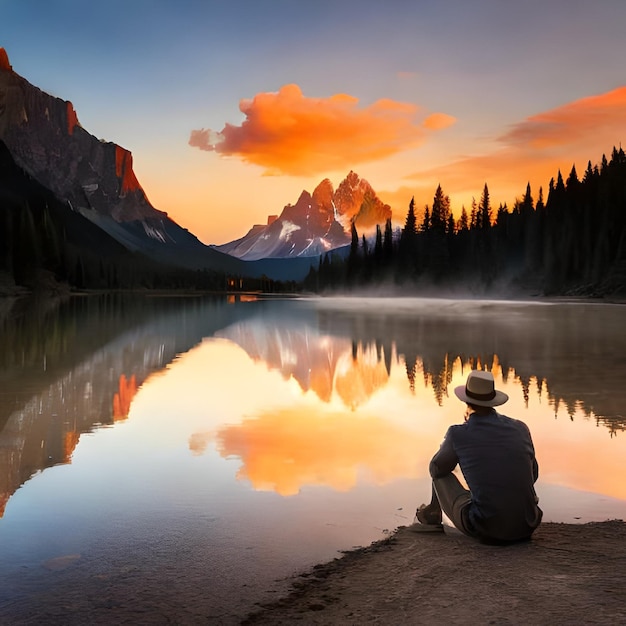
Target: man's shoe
428	517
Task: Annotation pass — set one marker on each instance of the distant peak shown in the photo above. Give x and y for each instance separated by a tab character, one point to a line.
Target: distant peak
4	60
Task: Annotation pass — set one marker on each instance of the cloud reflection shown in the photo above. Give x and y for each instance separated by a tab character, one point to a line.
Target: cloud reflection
286	450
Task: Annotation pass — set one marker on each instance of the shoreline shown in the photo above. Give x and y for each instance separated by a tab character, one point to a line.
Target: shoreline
567	573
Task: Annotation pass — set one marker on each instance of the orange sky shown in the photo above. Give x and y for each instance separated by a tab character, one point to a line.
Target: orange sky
289	141
285	438
231	114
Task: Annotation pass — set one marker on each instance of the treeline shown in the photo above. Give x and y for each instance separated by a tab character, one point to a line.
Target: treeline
573	243
46	246
40	248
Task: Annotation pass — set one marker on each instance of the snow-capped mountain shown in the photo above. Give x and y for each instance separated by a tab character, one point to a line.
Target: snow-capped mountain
315	224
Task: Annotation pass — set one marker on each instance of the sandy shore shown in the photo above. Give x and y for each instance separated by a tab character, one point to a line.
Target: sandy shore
568	574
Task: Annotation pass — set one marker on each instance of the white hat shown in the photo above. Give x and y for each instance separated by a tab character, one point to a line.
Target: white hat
480	390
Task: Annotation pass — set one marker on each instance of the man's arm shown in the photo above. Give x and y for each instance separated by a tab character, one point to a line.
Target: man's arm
445	460
535	465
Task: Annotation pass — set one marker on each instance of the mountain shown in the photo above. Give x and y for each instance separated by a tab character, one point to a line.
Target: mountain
94	179
316	223
39	232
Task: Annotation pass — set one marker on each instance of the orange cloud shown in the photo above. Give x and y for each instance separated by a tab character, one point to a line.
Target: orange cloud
568	124
198	443
439	121
289	133
533	150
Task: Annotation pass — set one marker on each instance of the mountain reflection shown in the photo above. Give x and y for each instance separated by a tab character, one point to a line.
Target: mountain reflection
124	397
70	366
573	352
566	357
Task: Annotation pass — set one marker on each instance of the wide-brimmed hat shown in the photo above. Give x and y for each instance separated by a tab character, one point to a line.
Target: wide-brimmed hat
480	390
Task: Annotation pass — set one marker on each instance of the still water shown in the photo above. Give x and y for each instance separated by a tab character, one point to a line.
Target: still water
176	459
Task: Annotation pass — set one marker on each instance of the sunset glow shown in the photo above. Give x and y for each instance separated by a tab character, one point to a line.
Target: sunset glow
229	119
285	437
287	451
288	133
291	449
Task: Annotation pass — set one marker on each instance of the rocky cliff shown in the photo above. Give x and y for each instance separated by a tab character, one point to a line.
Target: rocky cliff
94	178
46	139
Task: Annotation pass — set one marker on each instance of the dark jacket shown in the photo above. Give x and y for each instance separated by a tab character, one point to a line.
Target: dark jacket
497	458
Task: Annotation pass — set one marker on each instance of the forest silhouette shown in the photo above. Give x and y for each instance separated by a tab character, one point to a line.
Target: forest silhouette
573	243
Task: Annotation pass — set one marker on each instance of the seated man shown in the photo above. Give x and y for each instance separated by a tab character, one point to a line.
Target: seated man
497	458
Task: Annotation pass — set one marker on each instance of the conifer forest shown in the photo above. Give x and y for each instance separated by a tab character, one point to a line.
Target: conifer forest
572	242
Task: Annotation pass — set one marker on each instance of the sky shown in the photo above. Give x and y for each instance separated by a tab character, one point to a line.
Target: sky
232	108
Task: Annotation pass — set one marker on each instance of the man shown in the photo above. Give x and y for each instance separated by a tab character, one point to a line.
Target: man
497	458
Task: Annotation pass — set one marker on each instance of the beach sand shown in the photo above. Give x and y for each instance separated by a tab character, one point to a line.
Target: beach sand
567	574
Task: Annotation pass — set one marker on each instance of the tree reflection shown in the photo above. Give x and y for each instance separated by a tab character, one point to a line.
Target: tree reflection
568	350
69	366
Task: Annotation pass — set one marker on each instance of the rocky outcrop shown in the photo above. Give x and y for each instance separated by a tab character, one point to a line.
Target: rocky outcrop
355	200
46	139
94	178
4	60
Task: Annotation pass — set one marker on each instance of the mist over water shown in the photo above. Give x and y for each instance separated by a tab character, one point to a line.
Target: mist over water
180	456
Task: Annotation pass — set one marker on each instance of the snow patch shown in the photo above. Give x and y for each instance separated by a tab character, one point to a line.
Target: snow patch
154	233
287	229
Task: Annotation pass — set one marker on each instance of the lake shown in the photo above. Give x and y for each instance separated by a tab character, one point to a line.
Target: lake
177	459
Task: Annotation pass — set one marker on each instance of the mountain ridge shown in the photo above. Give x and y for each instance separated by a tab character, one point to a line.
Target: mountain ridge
316	223
95	179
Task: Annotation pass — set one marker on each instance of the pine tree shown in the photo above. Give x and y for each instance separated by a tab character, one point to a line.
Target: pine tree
388	241
440	211
527	206
451	227
378	245
484	209
354	241
572	179
353	259
540	205
407	250
425	225
410	224
463	223
501	215
588	176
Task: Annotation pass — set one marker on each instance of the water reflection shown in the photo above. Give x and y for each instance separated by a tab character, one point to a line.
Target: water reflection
348	354
288	449
70	365
572	352
262	436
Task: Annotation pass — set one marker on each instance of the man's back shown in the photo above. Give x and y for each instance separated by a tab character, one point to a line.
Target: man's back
497	458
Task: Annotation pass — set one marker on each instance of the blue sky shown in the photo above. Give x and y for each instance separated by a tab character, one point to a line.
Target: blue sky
144	74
